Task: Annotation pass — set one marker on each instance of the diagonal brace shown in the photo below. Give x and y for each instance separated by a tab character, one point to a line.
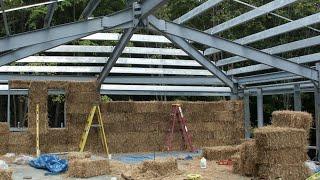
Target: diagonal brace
232	47
48	18
126	36
88	10
195	54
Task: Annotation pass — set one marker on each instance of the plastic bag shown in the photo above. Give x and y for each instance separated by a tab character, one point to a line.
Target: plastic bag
3	165
52	163
22	159
312	166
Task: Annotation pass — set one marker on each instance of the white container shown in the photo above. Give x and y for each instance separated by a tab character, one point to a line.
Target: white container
109	156
203	163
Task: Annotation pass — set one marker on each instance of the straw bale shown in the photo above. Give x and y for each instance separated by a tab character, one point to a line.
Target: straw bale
202	116
4	143
84	86
57	84
283	171
19	84
78	155
85	168
83	97
79	108
248	158
219	152
55	140
6	174
270	137
236	163
4	128
21	142
283	156
160	167
118	106
293	119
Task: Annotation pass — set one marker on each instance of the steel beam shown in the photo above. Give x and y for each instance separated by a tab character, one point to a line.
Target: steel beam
284	28
234	48
127	34
206	63
4	16
262	10
260	107
304	43
297	97
48	18
88	10
247	124
86	27
197	11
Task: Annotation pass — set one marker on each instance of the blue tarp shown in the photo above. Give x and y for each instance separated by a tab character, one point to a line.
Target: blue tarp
52	163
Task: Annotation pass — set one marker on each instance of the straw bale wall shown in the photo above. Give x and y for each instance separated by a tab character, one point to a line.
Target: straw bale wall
130	126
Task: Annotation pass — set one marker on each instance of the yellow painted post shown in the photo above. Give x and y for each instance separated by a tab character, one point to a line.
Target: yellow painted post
37	131
102	133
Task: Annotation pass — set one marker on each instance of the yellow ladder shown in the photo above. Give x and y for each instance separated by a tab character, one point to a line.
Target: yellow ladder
95	109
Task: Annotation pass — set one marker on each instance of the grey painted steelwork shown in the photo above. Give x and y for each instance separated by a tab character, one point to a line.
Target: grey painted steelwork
297	97
4	16
247	124
260	107
262	10
48	18
206	63
197	11
284	28
304	43
88	10
234	48
127	34
317	112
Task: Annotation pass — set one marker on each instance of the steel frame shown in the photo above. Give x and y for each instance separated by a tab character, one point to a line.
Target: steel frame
139	15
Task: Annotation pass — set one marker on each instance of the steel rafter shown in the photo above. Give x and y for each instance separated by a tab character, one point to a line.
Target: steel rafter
197	11
232	47
88	10
77	28
262	10
206	63
284	28
115	54
48	18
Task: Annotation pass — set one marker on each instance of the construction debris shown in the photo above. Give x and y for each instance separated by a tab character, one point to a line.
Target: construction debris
85	168
219	152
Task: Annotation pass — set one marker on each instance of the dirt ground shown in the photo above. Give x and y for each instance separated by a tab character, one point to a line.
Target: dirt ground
213	171
185	167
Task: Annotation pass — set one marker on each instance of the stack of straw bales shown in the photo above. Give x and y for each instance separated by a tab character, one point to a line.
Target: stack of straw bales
219	152
245	160
281	152
6	174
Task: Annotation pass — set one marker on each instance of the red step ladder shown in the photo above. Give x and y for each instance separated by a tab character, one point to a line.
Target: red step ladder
177	115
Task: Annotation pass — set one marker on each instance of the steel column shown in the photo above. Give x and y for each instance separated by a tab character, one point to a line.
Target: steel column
317	112
260	107
232	47
297	97
115	54
196	55
8	107
247	124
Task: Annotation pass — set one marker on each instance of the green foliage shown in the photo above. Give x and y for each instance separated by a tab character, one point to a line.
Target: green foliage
105	99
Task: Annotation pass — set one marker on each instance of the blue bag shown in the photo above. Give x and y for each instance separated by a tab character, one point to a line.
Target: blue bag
52	163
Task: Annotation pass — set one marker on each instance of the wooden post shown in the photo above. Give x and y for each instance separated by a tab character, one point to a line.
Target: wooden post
37	131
